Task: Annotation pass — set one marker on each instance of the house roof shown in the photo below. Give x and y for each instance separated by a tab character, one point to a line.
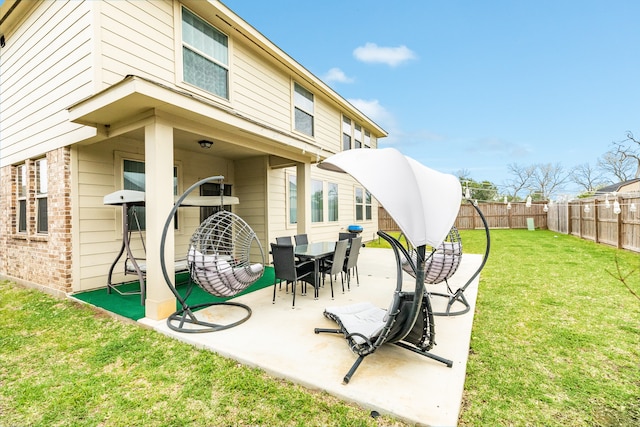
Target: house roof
618	187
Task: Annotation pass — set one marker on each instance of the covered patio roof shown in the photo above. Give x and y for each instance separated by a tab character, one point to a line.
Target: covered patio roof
125	107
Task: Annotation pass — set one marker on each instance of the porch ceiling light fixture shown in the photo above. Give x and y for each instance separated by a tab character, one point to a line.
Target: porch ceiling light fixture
205	144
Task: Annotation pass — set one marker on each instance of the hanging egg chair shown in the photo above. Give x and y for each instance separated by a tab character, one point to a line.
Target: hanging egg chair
219	257
224	258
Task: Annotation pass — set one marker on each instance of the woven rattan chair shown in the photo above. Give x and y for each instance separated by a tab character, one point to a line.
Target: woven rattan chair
219	261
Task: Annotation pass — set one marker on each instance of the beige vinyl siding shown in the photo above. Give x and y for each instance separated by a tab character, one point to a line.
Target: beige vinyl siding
278	205
328	124
259	90
46	66
251	188
137	37
100	226
325	231
97	224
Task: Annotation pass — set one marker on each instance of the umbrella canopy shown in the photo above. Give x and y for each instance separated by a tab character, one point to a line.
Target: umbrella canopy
423	202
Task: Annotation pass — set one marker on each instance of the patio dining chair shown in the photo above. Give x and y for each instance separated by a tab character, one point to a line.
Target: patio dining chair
346	236
288	269
335	265
301	239
351	263
284	240
408	322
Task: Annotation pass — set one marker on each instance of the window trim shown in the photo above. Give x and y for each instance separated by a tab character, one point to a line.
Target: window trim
335	200
179	57
290	206
366	205
41	195
119	158
22	199
303	109
346	134
315	210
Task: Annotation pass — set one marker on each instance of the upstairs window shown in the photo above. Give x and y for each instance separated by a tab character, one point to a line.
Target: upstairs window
205	55
346	133
354	135
303	110
367	139
357	136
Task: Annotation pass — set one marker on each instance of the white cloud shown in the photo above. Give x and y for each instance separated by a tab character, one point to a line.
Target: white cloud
337	75
374	111
391	56
500	147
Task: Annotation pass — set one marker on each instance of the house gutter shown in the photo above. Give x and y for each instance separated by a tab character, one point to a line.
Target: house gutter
6	15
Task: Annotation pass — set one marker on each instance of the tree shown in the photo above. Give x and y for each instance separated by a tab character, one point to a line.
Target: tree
548	178
616	166
522	179
630	149
483	191
588	178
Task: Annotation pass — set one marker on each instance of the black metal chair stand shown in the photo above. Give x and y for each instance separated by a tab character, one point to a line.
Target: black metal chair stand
407	323
219	261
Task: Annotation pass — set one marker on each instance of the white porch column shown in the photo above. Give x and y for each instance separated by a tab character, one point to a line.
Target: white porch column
158	147
303	183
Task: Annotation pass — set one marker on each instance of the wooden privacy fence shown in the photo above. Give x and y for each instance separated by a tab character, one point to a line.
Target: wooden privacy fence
591	219
497	215
597	222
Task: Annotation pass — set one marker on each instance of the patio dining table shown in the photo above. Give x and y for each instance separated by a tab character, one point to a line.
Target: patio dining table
317	252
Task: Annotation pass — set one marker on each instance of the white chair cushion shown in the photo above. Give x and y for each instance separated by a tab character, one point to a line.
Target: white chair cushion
363	318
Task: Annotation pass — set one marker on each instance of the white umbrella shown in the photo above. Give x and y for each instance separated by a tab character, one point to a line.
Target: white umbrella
423	202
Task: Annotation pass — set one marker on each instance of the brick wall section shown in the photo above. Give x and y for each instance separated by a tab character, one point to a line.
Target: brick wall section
43	259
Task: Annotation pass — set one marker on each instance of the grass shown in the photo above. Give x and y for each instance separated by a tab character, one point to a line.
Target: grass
556	338
555	342
63	364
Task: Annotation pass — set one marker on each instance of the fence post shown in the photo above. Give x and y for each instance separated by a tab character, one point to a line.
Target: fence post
596	234
618	230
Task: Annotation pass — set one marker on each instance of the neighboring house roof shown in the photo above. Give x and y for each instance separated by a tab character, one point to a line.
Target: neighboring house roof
631	185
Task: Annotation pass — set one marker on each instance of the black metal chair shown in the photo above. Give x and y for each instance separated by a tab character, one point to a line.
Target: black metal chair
346	236
408	322
284	240
301	239
351	263
286	268
335	266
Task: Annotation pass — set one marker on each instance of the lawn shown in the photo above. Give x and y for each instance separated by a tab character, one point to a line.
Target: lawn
555	341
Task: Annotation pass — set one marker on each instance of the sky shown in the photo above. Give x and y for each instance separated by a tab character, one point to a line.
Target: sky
467	85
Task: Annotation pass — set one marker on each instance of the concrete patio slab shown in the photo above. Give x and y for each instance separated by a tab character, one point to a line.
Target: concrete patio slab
281	341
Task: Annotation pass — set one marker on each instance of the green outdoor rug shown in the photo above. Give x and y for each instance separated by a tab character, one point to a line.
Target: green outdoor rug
129	305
